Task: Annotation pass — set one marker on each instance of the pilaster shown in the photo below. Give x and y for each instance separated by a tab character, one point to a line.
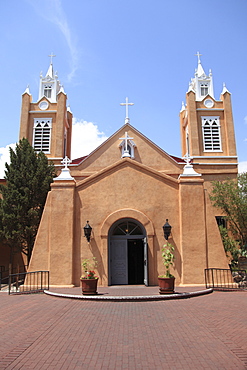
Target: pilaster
193	126
62	232
229	125
192	229
60	125
24	122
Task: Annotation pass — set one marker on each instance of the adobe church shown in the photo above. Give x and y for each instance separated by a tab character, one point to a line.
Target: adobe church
127	188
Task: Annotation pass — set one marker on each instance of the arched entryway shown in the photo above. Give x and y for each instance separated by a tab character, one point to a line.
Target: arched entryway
128	255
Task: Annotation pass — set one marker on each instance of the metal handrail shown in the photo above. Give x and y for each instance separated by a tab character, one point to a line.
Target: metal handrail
4	274
225	279
28	282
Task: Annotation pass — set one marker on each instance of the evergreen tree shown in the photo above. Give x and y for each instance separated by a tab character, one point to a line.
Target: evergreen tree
231	197
28	178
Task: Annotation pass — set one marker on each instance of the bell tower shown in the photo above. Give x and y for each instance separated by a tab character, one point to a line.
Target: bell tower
47	123
206	124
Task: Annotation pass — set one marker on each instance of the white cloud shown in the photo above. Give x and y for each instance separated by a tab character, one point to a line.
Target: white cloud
85	138
52	11
242	167
4	157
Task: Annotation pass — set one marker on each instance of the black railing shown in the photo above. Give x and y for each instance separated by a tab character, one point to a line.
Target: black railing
1	275
224	279
29	282
4	274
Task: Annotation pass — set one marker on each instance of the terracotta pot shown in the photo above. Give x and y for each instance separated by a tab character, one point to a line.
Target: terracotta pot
89	286
166	285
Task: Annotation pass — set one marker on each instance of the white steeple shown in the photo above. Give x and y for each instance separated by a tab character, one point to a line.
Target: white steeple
49	85
49	73
201	84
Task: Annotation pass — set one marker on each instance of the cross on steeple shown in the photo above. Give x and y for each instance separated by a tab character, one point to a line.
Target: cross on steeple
198	56
127	110
51	56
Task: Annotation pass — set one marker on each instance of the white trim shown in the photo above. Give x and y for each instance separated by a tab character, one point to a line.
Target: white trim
215	164
215	156
42	111
135	130
211	109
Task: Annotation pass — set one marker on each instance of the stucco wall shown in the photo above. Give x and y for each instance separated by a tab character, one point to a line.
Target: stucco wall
127	190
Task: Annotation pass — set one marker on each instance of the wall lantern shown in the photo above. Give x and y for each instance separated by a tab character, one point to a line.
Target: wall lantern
87	231
167	229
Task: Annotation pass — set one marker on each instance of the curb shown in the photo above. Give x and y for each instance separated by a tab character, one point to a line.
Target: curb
101	297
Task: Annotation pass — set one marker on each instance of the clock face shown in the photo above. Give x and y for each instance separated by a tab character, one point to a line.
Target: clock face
209	103
43	105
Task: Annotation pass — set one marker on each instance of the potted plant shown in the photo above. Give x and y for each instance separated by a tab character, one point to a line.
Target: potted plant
89	280
166	282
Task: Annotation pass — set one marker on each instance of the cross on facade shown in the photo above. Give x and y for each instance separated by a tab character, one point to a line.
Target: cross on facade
66	161
187	156
127	109
51	56
126	138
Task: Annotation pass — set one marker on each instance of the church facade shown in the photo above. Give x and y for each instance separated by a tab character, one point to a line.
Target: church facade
127	188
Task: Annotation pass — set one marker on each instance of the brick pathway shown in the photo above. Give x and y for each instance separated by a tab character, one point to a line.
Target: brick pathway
44	332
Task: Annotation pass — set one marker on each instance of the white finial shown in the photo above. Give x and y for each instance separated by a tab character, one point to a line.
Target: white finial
66	161
65	173
188	168
224	89
27	91
183	107
191	86
61	89
127	110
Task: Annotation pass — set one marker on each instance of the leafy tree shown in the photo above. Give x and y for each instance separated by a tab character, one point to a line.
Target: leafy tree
230	245
28	178
231	197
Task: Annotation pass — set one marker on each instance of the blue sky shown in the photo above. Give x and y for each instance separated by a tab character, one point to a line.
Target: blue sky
109	49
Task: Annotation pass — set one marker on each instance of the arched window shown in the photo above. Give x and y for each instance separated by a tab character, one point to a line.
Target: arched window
204	89
47	90
127	228
42	135
211	134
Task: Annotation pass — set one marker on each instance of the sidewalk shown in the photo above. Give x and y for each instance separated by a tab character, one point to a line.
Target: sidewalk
44	332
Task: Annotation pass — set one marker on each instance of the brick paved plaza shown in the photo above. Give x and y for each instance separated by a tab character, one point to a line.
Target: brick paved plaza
44	332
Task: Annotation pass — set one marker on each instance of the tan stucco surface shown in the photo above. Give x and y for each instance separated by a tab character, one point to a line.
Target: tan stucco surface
120	188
